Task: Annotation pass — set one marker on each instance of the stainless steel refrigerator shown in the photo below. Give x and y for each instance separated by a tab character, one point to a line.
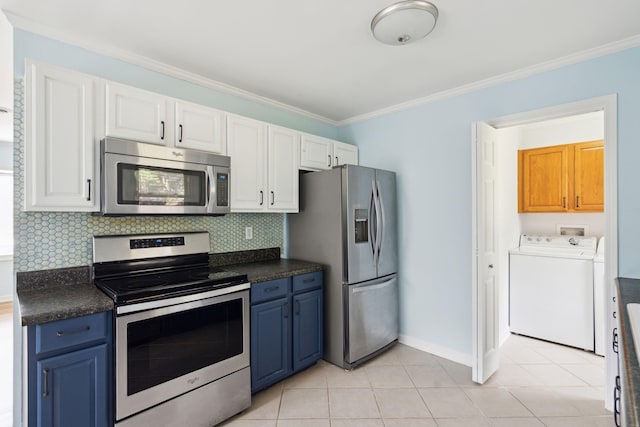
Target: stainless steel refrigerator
347	222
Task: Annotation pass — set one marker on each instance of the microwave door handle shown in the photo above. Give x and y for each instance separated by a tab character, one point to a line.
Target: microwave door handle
211	190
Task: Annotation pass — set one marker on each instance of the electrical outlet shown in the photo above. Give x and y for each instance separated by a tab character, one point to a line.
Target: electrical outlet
248	233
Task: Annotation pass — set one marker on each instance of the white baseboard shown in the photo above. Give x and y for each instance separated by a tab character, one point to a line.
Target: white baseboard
6	298
504	337
436	350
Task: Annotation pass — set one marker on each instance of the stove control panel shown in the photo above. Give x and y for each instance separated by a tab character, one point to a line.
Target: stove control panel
158	242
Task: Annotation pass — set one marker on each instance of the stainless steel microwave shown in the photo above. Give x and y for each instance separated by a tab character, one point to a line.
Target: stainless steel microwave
145	179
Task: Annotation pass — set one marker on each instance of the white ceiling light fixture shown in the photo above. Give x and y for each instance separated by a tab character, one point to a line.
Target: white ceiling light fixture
404	22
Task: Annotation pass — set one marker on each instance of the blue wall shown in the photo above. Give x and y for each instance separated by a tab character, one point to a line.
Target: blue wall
430	148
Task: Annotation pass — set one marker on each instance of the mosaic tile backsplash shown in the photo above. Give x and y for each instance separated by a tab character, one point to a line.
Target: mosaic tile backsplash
45	240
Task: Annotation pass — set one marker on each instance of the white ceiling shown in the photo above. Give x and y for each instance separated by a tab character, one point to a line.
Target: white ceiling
320	56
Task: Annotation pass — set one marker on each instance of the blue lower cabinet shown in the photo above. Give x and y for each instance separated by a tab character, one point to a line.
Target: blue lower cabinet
69	372
286	327
269	343
72	390
307	330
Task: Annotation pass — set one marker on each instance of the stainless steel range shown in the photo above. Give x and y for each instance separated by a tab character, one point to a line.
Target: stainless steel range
181	330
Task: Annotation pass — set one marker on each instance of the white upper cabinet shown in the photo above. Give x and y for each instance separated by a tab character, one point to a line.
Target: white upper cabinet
199	128
247	147
283	154
344	154
316	152
59	142
136	114
264	166
319	153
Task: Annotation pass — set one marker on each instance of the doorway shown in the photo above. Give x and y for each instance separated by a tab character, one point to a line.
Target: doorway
486	312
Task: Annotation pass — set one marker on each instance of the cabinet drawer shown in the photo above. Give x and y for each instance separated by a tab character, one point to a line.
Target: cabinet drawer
71	332
306	282
269	290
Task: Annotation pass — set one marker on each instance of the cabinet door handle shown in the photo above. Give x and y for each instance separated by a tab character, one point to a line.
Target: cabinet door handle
308	280
89	190
273	198
616	403
271	288
337	162
298	308
577	201
564	203
261	197
180	137
614	345
329	164
286	310
162	124
77	331
45	380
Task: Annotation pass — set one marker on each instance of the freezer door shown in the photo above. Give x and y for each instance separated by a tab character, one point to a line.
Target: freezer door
387	239
372	313
358	185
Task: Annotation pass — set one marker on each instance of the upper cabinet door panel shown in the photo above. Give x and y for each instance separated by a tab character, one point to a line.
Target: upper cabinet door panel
316	152
344	154
589	175
283	169
247	147
200	128
59	146
544	180
136	114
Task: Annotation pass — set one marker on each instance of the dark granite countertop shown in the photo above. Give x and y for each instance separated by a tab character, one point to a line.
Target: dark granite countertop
63	293
58	294
261	271
629	292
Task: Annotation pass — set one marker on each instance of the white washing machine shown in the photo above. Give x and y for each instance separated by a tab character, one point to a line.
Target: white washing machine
551	289
599	317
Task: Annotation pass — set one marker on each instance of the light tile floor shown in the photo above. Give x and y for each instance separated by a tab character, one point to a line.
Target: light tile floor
538	384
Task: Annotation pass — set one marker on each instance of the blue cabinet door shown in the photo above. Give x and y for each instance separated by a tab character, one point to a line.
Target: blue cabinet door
72	389
307	329
270	343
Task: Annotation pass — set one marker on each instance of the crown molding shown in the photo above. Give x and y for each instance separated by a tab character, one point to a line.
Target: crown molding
584	55
160	67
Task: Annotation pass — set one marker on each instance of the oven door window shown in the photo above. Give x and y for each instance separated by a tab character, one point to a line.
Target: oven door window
146	185
162	348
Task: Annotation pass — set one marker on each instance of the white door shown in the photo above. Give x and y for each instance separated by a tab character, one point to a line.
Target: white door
136	114
485	302
283	169
199	128
316	152
344	154
247	147
59	146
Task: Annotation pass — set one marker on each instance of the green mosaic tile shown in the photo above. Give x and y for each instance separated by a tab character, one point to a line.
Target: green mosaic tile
63	239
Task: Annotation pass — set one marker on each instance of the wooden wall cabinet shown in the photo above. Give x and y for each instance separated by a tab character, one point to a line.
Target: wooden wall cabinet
562	178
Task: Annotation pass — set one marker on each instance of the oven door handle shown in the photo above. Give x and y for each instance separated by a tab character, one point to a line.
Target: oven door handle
185	302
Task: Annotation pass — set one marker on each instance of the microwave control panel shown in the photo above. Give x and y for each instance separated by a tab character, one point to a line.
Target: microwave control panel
222	189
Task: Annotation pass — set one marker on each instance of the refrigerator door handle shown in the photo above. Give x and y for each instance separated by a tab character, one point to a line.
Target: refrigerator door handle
372	207
379	231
